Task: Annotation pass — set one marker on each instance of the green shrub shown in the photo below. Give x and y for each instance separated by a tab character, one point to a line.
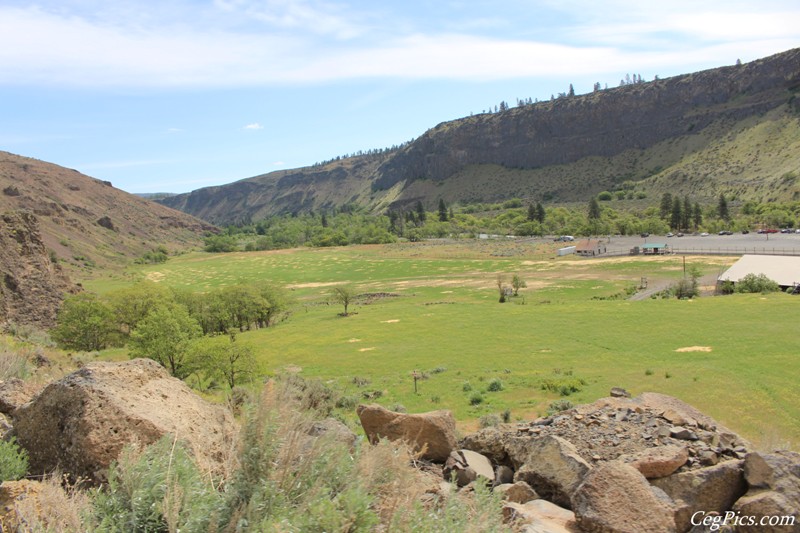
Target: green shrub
755	283
476	398
506	416
559	406
13	461
156	489
489	420
495	385
466	386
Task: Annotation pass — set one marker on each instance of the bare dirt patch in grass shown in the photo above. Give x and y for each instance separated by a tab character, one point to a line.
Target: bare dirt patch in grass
155	276
392	321
367	349
694	349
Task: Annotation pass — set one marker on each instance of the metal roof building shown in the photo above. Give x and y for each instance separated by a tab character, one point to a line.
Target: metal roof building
784	270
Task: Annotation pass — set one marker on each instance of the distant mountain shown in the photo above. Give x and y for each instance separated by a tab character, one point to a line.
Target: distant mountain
154	195
87	223
733	129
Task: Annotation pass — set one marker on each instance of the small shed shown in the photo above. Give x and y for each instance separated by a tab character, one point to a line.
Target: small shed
590	248
783	270
655	249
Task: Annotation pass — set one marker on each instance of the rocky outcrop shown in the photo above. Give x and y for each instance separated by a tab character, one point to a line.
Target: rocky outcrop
31	284
432	435
81	423
621	465
586	128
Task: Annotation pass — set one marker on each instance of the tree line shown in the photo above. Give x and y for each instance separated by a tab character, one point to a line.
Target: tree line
187	332
353	225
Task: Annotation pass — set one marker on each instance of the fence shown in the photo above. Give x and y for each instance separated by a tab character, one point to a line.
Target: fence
710	250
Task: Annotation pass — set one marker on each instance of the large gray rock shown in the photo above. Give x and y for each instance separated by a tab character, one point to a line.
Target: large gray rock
616	498
658	462
519	492
489	441
712	489
540	516
467	466
432	434
774	481
550	465
80	423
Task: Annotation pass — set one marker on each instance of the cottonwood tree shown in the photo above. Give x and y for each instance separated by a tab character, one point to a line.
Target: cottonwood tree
85	322
164	336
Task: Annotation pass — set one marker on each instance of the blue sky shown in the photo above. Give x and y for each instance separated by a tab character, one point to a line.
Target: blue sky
174	95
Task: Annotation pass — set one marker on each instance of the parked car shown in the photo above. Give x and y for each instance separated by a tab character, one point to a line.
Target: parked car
768	230
704	234
725	232
565	238
679	235
645	235
745	232
670	234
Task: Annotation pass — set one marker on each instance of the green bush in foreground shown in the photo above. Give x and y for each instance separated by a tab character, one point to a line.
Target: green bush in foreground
13	461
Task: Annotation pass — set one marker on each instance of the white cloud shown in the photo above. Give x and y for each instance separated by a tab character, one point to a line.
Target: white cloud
64	48
254	126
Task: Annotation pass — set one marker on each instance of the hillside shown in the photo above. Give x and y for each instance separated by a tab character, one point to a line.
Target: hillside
733	129
86	222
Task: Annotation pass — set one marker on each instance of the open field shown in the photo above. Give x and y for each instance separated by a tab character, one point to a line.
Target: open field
734	357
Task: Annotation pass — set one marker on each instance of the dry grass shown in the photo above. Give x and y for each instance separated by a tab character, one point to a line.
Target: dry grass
53	508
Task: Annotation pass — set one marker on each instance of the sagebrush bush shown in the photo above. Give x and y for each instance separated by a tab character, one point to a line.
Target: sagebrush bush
13	460
156	489
489	420
558	406
476	398
495	385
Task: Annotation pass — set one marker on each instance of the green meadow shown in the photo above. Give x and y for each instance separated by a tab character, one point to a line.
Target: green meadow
432	309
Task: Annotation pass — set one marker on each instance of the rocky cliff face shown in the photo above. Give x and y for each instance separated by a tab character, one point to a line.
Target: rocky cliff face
599	138
603	123
31	285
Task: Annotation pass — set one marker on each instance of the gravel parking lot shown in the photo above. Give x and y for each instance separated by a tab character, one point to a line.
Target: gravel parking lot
736	244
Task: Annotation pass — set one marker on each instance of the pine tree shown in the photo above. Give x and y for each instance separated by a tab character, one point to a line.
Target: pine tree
697	215
571	90
722	209
666	205
442	211
422	216
531	212
594	209
540	213
686	215
676	215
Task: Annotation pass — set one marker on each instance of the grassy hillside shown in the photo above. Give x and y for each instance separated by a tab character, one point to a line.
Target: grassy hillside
433	308
87	223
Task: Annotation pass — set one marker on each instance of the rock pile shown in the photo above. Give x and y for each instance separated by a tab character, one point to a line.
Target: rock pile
645	464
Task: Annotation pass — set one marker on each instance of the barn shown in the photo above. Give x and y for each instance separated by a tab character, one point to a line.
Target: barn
590	248
784	270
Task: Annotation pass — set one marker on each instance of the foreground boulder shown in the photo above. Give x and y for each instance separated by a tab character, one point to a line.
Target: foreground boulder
15	393
774	481
540	516
432	435
711	489
616	498
80	423
550	465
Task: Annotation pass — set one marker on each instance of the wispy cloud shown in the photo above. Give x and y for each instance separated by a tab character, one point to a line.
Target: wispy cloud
254	126
272	42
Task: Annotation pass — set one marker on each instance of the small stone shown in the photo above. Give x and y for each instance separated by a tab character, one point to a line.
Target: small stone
619	392
682	433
